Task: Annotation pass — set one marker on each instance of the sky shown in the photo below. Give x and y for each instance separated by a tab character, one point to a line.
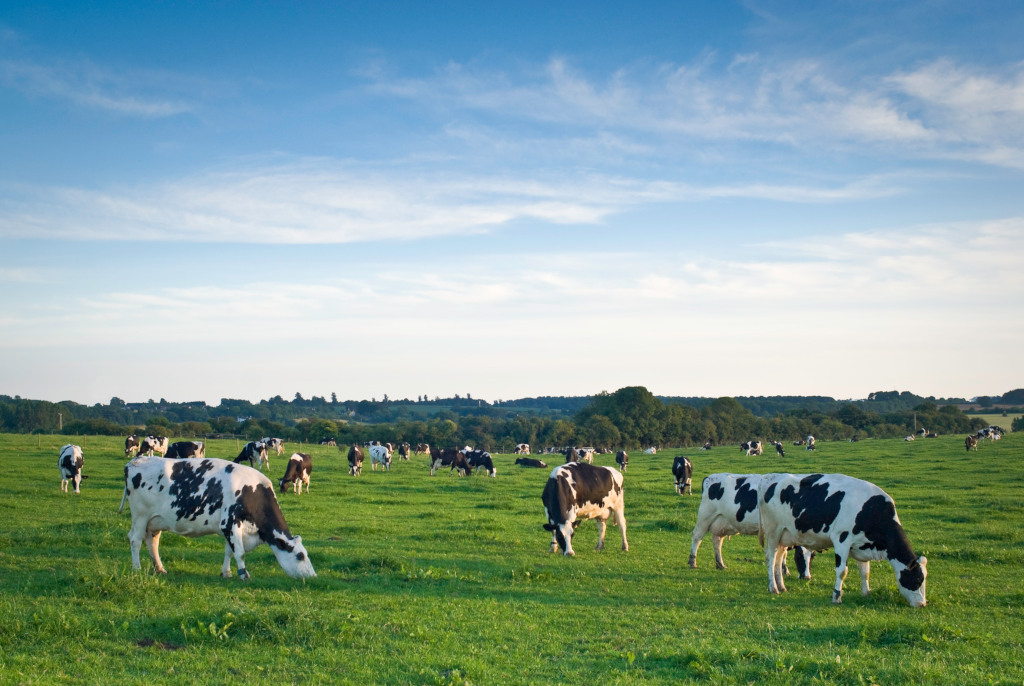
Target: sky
241	200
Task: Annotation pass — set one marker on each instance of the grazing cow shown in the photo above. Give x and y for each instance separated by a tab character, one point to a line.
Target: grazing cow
355	460
422	448
273	444
380	454
752	448
131	445
183	449
255	452
579	455
329	441
522	449
403	451
530	462
481	459
922	432
622	459
810	443
971	442
153	444
297	472
682	470
856	518
449	457
651	451
992	433
706	446
779	449
70	462
579	491
209	496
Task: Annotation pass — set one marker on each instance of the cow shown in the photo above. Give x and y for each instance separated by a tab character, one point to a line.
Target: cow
908	439
854	517
651	451
728	506
932	434
153	444
355	460
449	457
329	441
380	454
706	446
993	433
70	462
522	449
403	451
922	432
297	472
209	496
971	442
622	459
273	444
422	448
779	449
578	491
481	459
255	452
530	462
810	443
579	455
752	448
183	449
682	470
131	446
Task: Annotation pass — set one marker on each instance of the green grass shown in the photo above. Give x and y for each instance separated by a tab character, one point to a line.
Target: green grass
448	581
998	419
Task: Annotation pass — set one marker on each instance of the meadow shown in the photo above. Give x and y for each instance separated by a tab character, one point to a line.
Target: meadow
449	581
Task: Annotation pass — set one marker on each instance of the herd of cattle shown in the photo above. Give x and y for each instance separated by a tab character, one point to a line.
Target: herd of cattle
175	487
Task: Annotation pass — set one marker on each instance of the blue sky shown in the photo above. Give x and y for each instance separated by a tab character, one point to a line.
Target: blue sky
750	198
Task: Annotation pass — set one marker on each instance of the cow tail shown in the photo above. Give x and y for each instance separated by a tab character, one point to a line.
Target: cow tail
123	499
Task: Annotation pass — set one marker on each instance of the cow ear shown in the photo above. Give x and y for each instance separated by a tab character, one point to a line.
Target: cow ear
298	540
923	561
549	527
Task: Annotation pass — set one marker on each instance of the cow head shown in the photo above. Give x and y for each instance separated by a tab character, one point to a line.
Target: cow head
911	580
294	559
563	535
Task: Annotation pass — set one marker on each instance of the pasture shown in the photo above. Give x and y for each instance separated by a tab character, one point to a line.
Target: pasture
449	581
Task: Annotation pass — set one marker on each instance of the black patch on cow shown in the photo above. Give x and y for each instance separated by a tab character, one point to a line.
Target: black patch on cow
843	536
716	491
746	498
192	492
136	480
769	493
877	521
813	509
839	560
230	468
480	459
592	484
300	556
912	577
258	505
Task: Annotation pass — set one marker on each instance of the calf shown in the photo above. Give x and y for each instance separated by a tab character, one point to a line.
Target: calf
481	459
530	462
971	442
449	457
131	445
209	496
355	460
752	448
682	470
255	452
153	444
578	491
622	459
297	472
328	441
183	449
70	462
522	449
856	518
380	454
728	506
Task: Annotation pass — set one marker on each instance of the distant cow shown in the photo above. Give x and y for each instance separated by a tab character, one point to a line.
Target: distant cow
403	451
422	448
810	443
522	449
153	444
682	470
380	454
651	451
328	441
276	444
183	449
908	439
131	445
481	459
779	449
752	448
530	462
622	459
355	460
296	472
255	452
932	434
70	462
577	491
706	446
971	442
579	455
728	506
856	518
209	496
449	457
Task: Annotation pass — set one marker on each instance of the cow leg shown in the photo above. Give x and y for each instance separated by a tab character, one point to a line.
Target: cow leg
679	490
694	545
772	553
235	545
865	569
602	527
153	545
135	537
620	521
841	569
716	543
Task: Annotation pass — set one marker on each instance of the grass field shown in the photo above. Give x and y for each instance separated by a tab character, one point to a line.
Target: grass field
449	581
998	419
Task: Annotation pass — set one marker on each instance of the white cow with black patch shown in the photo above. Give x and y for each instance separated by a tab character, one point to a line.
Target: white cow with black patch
70	462
255	453
856	518
209	496
578	491
682	472
276	444
153	444
380	454
296	472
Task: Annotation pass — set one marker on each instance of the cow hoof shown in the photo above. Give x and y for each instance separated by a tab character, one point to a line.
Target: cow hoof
625	548
718	565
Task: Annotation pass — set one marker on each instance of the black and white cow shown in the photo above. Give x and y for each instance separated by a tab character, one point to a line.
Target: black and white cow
296	472
682	470
522	449
728	506
706	446
404	450
579	455
131	445
530	462
355	460
255	452
453	458
854	517
209	496
971	443
328	441
577	491
752	448
779	449
70	462
183	449
481	459
380	454
810	443
422	448
273	444
153	444
622	459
